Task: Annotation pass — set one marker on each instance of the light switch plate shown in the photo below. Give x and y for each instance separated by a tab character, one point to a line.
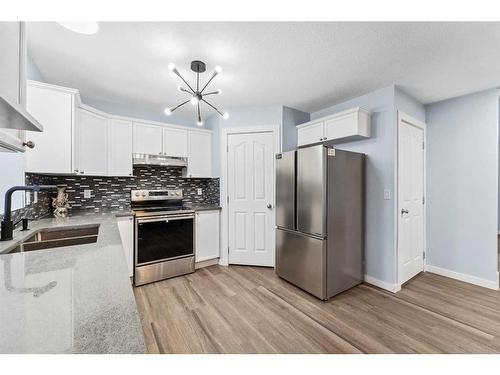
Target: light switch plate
35	197
86	193
27	198
199	191
387	194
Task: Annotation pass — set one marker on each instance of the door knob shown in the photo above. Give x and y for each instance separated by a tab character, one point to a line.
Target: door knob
404	211
269	205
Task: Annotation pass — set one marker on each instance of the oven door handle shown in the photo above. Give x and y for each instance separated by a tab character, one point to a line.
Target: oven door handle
165	218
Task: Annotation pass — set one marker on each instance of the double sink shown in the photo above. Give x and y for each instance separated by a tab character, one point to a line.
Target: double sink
49	238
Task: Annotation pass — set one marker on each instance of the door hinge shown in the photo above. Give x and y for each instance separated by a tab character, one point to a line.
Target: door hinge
228	199
424	255
423	145
423	200
227	148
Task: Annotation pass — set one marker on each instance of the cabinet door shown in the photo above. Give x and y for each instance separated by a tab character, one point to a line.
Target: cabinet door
175	142
312	133
207	235
147	139
120	144
126	229
92	143
53	152
200	154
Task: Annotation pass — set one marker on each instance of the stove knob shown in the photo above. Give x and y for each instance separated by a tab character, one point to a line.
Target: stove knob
136	193
143	194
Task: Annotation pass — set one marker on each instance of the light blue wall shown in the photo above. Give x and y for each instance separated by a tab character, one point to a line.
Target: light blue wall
409	105
380	253
32	71
462	184
240	116
140	112
291	118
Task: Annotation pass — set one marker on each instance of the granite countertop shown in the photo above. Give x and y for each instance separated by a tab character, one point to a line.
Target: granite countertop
203	207
75	299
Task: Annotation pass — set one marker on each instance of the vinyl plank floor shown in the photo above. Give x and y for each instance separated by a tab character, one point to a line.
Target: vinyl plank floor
240	309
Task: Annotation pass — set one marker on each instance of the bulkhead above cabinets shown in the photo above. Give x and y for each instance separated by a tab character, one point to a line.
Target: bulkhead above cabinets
81	140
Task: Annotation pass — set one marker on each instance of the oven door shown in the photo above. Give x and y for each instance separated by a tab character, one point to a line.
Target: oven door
164	238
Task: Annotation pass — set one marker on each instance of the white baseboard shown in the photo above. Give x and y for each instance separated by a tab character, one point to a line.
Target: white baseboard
382	284
463	277
206	263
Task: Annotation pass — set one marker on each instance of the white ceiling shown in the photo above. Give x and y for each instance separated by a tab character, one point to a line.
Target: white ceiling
299	64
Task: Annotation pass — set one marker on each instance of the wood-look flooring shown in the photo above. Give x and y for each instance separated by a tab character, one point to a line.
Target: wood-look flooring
241	309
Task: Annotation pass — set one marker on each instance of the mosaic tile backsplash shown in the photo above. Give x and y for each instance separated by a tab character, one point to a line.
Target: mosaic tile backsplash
114	192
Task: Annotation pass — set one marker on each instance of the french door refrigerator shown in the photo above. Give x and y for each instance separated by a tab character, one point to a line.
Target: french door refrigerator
320	219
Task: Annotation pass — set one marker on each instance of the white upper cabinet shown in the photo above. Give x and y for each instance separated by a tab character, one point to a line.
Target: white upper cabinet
349	125
120	147
199	154
147	139
54	107
312	133
175	142
92	143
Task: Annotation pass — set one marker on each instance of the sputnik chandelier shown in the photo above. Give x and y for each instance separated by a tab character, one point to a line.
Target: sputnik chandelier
197	96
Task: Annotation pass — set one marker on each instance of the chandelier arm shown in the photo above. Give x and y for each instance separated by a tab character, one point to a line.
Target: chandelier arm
197	81
211	93
199	115
214	74
219	112
188	85
180	105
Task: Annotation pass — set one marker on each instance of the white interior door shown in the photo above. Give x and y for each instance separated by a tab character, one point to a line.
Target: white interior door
410	199
250	164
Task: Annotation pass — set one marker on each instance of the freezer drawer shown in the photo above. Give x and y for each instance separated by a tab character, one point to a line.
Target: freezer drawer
311	190
285	190
301	260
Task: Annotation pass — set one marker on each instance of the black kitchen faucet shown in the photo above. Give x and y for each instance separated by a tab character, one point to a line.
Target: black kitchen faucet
7	223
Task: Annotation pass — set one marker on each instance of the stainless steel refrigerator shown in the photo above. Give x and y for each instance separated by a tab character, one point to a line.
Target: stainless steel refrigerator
320	219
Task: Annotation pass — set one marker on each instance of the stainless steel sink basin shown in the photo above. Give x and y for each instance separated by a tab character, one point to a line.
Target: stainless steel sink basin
57	237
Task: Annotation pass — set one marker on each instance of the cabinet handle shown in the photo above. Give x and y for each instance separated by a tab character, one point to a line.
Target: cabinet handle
76	170
29	144
82	172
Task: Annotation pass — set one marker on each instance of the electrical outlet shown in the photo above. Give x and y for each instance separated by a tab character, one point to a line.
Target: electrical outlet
199	191
35	197
387	194
27	198
86	193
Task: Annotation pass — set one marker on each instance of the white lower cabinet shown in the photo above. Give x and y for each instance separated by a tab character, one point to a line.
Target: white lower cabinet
126	228
207	235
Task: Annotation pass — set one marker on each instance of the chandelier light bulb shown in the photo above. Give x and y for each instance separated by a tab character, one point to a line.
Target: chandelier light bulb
225	116
194	100
199	123
167	111
218	69
171	67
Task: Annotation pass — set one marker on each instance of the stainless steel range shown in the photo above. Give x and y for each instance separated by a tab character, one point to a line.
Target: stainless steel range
164	235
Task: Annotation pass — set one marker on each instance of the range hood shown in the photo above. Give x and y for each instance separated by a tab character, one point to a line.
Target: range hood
161	160
14	116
